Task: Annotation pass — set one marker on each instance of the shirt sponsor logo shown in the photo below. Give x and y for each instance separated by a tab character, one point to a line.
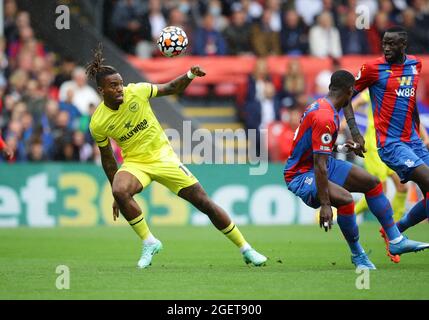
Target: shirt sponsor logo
139	127
405	81
405	93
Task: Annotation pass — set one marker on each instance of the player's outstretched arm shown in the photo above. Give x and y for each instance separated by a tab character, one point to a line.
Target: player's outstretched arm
178	85
322	184
109	162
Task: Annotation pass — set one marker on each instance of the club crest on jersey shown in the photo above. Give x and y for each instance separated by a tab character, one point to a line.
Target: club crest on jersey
409	163
133	107
326	138
358	75
308	180
414	69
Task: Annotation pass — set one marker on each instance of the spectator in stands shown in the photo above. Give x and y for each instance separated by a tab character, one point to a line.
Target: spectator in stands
82	149
237	34
65	71
62	136
391	11
18	81
265	41
130	24
417	37
257	80
253	10
83	94
35	100
421	9
4	62
324	37
261	112
293	37
26	40
323	79
156	18
208	41
9	21
276	15
72	110
376	31
36	151
215	9
309	9
281	134
353	40
293	84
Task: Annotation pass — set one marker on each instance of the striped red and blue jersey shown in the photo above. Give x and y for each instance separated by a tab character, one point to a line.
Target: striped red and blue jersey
316	133
392	89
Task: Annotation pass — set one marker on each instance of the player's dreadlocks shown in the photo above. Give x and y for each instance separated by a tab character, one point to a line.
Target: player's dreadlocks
96	70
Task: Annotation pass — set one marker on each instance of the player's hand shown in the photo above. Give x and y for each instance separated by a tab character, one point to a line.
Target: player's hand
325	217
361	146
196	70
353	146
8	152
115	210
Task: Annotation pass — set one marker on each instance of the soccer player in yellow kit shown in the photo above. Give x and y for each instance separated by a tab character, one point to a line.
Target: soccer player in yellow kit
126	116
375	166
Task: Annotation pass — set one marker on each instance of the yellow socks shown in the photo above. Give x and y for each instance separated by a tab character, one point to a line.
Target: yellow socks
140	227
233	234
398	205
361	205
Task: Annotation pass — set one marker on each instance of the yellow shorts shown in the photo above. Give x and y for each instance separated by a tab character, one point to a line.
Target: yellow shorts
375	166
169	172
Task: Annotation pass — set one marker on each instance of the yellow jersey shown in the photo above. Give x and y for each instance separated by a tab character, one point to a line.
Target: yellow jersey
133	126
370	139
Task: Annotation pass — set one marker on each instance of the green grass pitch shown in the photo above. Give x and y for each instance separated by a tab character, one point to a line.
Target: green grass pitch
199	263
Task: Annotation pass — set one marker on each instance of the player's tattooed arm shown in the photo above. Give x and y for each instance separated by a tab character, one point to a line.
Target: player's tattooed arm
108	161
178	85
322	184
354	130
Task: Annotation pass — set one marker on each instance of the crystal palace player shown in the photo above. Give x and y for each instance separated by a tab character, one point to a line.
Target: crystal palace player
320	180
392	81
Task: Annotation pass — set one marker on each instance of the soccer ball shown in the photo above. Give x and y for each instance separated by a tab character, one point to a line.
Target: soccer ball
172	41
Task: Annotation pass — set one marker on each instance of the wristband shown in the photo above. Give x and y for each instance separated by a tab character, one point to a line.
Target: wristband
191	75
342	148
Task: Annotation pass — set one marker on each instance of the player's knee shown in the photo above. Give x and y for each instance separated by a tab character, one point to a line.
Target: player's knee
373	182
347	199
120	193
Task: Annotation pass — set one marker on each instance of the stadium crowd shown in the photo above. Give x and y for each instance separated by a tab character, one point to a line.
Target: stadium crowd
268	27
46	102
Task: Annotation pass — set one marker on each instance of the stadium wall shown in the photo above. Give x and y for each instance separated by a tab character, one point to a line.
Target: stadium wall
50	195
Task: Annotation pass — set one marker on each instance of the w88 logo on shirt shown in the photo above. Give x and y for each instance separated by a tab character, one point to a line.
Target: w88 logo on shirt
407	92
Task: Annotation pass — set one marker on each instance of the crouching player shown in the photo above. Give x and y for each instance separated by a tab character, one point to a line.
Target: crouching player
322	181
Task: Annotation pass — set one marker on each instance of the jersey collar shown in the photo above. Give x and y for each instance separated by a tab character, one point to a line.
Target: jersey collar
331	104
